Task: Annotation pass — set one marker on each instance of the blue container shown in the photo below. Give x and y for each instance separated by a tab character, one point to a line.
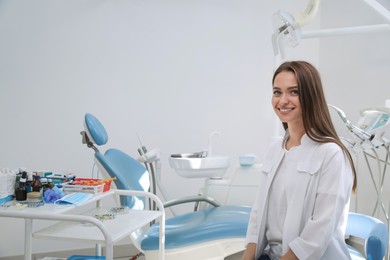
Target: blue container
5	199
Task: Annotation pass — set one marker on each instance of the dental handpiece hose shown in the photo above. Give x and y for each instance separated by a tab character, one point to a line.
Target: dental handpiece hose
360	133
142	151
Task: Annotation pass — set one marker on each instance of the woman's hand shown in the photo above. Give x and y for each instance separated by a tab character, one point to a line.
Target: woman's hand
250	252
289	256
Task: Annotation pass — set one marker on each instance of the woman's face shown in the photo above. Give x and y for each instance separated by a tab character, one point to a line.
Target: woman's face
285	99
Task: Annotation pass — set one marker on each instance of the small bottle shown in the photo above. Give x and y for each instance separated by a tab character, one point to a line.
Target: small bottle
36	184
46	184
20	191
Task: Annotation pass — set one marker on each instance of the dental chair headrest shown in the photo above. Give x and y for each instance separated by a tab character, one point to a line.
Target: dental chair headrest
95	130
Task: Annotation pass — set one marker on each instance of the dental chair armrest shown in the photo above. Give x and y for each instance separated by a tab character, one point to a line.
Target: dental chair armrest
190	199
372	231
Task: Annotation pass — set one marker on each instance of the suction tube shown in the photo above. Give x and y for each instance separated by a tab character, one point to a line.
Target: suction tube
360	133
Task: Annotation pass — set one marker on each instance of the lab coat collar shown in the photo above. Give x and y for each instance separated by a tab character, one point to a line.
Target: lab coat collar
304	140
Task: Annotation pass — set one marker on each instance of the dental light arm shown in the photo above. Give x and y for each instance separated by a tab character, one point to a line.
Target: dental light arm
380	9
288	33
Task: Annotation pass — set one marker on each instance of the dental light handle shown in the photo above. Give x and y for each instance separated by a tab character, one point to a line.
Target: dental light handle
308	15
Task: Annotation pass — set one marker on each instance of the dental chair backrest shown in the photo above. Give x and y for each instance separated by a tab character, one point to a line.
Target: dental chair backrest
115	163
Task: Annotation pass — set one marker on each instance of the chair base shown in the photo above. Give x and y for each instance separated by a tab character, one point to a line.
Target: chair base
211	250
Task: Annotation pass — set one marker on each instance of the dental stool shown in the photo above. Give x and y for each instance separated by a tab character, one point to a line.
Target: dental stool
372	231
213	233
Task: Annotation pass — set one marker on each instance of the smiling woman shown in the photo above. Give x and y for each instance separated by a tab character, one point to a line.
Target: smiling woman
304	192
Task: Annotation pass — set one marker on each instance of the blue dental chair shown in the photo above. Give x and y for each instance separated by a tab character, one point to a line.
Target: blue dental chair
213	233
371	232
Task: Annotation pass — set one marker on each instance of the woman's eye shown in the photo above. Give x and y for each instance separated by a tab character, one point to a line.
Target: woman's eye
295	92
276	93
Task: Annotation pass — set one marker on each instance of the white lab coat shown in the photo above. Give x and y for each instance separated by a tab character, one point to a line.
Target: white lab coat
318	197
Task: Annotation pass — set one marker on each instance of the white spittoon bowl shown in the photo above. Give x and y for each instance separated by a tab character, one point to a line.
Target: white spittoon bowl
209	167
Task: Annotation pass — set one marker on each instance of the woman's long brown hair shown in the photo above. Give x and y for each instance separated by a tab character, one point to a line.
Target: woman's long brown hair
315	112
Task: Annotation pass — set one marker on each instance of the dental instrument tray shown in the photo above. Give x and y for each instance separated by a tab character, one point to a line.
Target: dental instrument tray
87	185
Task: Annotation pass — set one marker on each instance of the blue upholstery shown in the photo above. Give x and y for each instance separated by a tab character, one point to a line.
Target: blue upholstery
128	173
96	130
200	226
373	231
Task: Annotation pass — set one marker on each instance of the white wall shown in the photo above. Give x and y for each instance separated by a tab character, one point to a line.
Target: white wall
171	71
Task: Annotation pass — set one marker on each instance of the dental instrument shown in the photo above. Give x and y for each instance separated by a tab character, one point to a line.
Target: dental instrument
358	132
148	158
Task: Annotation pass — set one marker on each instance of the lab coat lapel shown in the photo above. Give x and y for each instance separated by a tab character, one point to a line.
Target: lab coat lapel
276	160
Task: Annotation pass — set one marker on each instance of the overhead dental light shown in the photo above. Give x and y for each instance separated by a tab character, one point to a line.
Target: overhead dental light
287	28
284	33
